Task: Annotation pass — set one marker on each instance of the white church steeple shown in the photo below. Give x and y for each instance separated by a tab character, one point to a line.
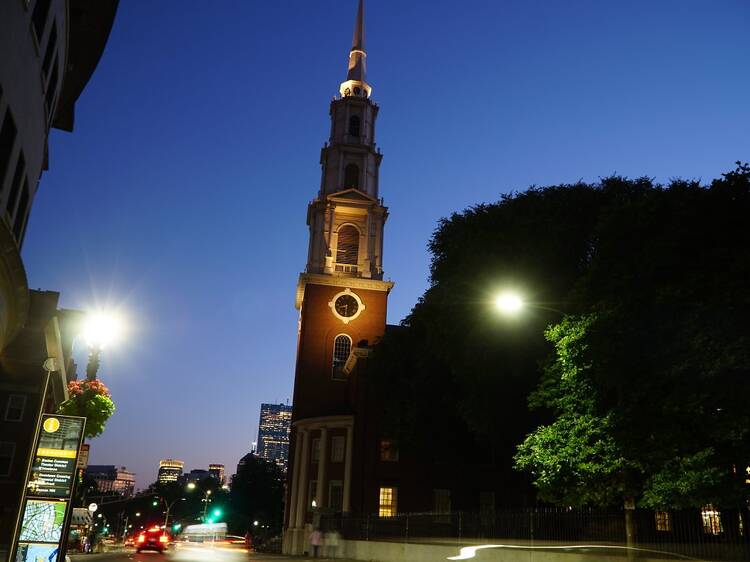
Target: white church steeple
356	83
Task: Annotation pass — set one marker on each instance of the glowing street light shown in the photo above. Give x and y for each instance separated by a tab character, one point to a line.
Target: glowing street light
100	329
191	486
509	303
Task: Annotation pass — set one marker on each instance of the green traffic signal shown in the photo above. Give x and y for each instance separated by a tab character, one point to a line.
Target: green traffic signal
176	526
217	512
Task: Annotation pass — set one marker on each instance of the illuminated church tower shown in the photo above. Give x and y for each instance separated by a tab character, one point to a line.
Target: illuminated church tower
342	300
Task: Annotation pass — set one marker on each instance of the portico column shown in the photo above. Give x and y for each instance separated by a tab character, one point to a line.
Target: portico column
322	465
302	484
295	476
348	468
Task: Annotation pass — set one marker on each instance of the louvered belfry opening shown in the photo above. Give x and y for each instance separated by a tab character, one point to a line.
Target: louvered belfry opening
348	245
351	176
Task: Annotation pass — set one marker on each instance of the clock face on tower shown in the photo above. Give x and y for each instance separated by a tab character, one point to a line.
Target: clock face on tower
346	306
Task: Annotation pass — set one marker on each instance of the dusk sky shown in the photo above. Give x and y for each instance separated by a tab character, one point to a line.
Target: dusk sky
181	196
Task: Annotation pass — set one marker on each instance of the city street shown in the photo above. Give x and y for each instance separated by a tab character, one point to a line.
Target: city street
195	552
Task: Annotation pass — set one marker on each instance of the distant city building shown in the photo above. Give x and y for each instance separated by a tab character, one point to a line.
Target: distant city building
244	460
196	475
170	470
110	478
216	471
273	433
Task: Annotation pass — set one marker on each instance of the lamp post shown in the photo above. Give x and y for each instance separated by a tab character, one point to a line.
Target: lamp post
168	507
100	330
191	486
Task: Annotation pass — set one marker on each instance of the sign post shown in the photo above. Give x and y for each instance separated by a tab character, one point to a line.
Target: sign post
48	494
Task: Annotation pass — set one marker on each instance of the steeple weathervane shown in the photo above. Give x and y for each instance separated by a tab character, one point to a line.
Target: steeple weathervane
355	84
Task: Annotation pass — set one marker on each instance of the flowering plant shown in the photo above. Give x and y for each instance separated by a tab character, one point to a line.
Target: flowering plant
92	400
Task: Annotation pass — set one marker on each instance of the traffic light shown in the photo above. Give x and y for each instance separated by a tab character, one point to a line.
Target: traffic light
154	503
176	526
217	513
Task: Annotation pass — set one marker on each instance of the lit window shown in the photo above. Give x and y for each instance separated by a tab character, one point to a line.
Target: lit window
342	347
15	407
711	520
7	450
663	521
337	449
315	450
312	490
387	502
351	176
388	450
335	495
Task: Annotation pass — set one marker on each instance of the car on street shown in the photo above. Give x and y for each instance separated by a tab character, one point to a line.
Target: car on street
152	539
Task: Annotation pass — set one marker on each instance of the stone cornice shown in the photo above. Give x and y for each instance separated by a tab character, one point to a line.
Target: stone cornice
328	422
334	281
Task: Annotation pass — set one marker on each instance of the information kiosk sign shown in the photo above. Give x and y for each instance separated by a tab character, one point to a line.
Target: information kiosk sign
49	489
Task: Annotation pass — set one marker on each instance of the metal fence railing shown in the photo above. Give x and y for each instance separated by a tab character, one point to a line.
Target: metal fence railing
695	534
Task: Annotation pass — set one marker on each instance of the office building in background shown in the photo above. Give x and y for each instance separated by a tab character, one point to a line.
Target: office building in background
112	479
170	470
216	471
273	433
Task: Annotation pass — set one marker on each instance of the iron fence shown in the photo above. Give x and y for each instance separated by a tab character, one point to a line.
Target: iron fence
687	534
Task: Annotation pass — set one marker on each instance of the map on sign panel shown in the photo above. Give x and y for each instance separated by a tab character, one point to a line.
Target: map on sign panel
43	521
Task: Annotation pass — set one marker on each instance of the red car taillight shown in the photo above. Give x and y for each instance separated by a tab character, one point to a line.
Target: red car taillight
141	538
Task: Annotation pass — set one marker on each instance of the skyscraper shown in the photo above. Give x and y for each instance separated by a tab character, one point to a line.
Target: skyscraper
170	470
111	478
216	471
273	433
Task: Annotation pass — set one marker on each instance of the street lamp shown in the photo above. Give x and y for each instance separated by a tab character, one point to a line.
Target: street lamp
100	329
509	303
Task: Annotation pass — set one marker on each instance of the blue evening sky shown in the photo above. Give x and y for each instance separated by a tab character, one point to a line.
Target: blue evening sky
181	195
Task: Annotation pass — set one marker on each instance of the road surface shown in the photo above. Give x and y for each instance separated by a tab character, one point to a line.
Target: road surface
190	552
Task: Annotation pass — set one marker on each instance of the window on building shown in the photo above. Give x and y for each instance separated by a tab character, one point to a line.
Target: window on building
15	187
336	495
39	17
8	133
387	502
342	347
486	506
347	251
312	490
316	450
351	176
388	450
711	520
663	520
337	448
21	212
354	125
441	501
49	52
7	451
15	407
49	97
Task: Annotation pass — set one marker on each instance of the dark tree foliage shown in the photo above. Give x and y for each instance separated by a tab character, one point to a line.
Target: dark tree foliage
258	495
664	351
456	376
647	373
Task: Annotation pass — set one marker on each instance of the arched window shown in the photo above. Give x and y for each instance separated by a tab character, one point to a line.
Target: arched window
351	176
354	125
342	347
347	251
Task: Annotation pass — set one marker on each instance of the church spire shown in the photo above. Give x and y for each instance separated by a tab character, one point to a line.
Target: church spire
356	84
